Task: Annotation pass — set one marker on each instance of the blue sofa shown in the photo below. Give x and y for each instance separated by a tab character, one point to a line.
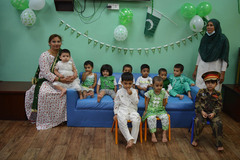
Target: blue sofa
89	113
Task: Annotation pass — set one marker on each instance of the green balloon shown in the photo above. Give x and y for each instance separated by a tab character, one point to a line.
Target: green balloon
188	10
204	8
20	4
125	16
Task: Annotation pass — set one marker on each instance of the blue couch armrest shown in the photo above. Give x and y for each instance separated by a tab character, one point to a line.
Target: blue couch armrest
194	91
72	97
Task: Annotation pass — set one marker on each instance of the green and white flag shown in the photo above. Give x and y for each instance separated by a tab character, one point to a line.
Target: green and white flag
152	20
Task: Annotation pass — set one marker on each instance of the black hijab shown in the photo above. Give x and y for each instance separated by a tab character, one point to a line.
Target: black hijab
216	46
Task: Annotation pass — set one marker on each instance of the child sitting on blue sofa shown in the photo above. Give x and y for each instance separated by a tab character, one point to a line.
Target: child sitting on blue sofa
107	83
180	84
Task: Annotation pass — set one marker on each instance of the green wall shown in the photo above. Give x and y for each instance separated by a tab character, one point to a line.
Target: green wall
20	46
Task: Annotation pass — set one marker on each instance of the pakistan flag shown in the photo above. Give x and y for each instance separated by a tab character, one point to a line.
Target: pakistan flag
152	20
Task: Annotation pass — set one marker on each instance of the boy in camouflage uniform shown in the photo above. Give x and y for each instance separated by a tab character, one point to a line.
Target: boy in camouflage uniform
207	107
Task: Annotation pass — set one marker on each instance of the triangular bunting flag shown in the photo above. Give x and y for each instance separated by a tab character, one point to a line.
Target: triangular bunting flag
146	50
172	45
178	43
101	45
78	34
159	49
196	35
165	47
85	34
189	38
125	50
202	33
95	43
131	50
113	48
184	41
107	46
89	40
152	21
61	23
119	49
66	27
73	30
153	49
139	51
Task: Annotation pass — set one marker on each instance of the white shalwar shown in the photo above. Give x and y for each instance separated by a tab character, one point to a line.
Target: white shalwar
125	106
203	67
66	69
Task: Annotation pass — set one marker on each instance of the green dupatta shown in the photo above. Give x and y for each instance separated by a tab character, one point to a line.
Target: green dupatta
216	46
38	82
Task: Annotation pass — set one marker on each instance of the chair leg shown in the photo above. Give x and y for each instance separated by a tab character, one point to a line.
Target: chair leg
169	128
113	126
192	134
116	132
145	131
141	132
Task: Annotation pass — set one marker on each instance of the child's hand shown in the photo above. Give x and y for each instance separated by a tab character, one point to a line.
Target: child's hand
204	114
145	89
129	91
61	76
87	73
192	84
115	117
211	115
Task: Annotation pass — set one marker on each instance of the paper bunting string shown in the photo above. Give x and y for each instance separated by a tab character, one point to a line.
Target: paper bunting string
125	50
66	27
184	41
95	43
78	34
101	45
165	47
61	23
189	38
172	45
107	46
196	35
131	50
153	49
178	43
89	40
119	49
86	34
139	51
202	33
113	48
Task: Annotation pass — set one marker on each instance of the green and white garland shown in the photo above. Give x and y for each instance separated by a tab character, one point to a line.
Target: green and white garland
125	50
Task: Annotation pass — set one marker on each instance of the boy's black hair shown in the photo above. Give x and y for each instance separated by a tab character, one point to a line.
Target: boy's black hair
126	76
162	70
108	68
128	66
88	63
157	78
65	51
179	65
144	66
212	81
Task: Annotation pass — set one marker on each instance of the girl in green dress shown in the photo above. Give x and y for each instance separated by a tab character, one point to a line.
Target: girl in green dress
156	101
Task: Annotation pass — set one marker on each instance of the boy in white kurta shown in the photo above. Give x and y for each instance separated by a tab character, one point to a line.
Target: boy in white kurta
125	108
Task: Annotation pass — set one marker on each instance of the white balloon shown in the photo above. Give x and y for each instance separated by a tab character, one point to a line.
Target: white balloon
36	4
120	33
28	17
196	23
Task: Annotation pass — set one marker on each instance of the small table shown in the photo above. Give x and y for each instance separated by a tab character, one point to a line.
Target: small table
12	99
231	100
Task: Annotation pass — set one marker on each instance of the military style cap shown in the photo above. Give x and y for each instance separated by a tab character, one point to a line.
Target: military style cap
211	75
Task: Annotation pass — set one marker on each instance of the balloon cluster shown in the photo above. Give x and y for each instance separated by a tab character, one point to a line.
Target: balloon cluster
125	17
28	17
188	10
